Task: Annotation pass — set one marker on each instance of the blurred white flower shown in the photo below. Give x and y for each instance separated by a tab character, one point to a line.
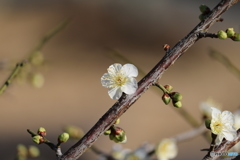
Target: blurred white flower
222	124
120	79
237	119
205	107
166	149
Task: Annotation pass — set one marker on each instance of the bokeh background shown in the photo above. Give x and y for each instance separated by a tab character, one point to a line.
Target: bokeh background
77	58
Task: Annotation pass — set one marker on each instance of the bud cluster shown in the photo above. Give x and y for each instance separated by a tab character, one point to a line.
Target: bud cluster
39	137
176	97
229	33
116	134
205	11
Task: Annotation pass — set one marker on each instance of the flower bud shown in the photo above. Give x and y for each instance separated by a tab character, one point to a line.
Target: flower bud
222	35
176	96
21	150
166	98
37	58
120	138
201	17
117	121
42	131
37	80
177	104
230	32
166	47
204	9
74	131
62	138
236	37
107	132
33	151
38	139
118	135
168	87
208	123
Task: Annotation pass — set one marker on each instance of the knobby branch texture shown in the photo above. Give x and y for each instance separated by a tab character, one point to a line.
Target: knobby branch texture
123	104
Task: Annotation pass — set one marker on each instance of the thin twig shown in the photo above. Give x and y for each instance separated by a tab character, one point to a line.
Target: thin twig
206	34
225	61
190	134
54	147
122	105
39	46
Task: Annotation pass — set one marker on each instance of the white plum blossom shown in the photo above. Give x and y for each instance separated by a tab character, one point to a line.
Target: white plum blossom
166	149
120	79
222	124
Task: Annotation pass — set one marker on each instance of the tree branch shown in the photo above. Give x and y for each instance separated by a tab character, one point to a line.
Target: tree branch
223	147
123	104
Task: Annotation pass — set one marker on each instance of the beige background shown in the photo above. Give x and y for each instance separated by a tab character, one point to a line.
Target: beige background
76	59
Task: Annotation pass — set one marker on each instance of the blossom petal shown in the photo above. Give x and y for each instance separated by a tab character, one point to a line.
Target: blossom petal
130	87
115	93
114	68
228	117
219	139
230	134
130	70
106	80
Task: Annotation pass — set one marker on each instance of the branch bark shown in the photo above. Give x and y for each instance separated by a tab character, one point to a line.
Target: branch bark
123	104
223	147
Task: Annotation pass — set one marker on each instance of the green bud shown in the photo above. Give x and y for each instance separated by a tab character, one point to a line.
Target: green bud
36	58
168	87
230	32
62	138
33	151
107	132
222	35
42	131
120	138
177	104
204	9
117	121
37	80
118	135
176	96
201	17
74	131
22	150
37	139
236	37
208	123
111	137
166	98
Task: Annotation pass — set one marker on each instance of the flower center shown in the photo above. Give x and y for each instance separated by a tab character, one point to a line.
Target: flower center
217	127
120	80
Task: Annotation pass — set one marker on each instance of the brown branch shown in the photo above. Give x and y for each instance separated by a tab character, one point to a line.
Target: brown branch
223	147
126	101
